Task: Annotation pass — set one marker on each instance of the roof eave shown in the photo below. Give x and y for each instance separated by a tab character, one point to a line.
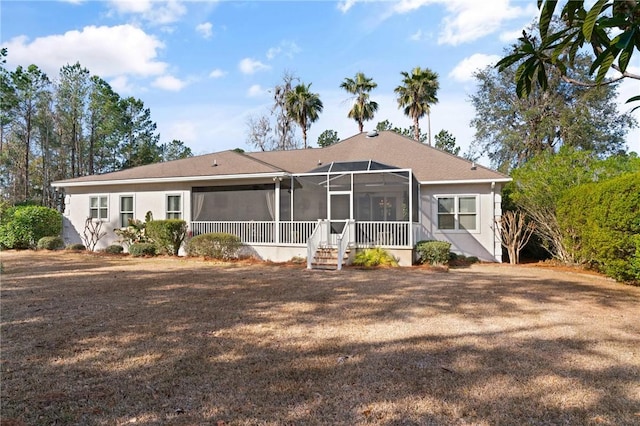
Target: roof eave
449	182
68	184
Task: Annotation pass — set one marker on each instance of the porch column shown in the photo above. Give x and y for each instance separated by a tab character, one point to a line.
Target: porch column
276	232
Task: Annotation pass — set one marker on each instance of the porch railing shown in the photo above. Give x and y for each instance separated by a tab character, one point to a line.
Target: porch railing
315	240
391	234
363	234
343	242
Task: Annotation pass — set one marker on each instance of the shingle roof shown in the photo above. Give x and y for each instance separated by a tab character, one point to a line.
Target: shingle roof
428	164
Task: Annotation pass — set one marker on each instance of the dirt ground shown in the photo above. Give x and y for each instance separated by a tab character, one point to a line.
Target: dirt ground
108	340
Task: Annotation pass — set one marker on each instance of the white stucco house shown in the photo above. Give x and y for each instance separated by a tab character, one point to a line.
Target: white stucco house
372	189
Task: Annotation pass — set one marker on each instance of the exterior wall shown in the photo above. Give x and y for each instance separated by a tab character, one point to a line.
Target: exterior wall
484	242
146	198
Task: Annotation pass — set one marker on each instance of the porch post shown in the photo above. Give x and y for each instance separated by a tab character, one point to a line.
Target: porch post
411	208
276	200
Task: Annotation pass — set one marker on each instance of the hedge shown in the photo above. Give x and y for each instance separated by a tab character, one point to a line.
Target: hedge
376	256
22	226
142	249
215	245
168	235
433	252
114	249
600	223
76	246
50	243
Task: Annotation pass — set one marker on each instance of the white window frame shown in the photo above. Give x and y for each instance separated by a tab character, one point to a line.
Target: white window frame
456	213
99	208
121	212
168	212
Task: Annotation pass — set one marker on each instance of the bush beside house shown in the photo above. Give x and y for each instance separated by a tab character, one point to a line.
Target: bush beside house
215	245
433	252
21	227
600	224
168	235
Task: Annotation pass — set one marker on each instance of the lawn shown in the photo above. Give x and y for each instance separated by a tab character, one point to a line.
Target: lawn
107	340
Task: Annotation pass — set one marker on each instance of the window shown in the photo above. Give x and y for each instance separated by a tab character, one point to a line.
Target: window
126	210
174	207
457	213
98	207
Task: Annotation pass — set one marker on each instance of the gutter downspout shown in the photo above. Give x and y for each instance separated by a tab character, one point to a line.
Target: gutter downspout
493	215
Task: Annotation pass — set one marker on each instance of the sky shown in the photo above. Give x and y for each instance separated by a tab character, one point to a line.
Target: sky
204	67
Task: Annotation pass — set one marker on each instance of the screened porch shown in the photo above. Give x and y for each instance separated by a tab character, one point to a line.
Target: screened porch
379	201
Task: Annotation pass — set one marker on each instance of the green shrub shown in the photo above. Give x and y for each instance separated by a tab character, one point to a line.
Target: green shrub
114	249
472	259
168	235
433	252
23	226
50	243
76	246
142	249
600	224
215	245
376	256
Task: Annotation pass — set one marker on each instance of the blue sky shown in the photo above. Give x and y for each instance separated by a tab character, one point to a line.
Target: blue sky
205	67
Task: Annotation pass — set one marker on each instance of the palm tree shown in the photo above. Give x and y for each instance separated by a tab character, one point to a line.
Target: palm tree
416	95
304	107
363	109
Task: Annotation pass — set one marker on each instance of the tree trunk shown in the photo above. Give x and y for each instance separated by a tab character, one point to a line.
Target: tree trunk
416	129
27	147
429	125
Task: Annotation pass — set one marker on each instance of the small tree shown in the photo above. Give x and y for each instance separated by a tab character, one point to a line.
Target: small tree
92	233
515	232
328	137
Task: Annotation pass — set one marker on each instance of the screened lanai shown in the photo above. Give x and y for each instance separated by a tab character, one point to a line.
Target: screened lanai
379	200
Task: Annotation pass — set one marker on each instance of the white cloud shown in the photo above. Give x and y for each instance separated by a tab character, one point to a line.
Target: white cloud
183	130
465	68
345	5
205	29
105	51
285	48
156	12
251	66
169	82
510	36
121	85
470	20
217	73
256	91
417	36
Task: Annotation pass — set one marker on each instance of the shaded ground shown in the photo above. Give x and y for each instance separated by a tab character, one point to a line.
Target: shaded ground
115	340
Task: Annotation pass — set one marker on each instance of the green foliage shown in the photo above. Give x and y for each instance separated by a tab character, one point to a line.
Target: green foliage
76	246
512	130
175	150
541	182
135	232
304	107
446	142
21	227
600	223
114	249
50	243
328	137
433	252
610	29
217	245
376	256
363	107
417	93
142	249
168	235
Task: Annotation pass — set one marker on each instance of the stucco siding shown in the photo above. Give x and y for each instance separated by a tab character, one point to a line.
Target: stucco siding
483	241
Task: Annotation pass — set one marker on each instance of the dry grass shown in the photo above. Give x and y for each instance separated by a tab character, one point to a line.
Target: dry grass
117	340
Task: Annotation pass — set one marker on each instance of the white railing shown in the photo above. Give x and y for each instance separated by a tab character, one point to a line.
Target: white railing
386	234
253	232
296	233
315	240
343	243
364	234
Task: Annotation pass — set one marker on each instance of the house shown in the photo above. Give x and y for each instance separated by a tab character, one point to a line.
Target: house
372	189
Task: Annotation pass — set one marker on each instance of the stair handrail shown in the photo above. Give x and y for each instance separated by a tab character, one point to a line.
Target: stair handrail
343	243
313	243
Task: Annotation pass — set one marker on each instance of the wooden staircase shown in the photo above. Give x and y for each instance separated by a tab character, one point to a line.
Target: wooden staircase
327	258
